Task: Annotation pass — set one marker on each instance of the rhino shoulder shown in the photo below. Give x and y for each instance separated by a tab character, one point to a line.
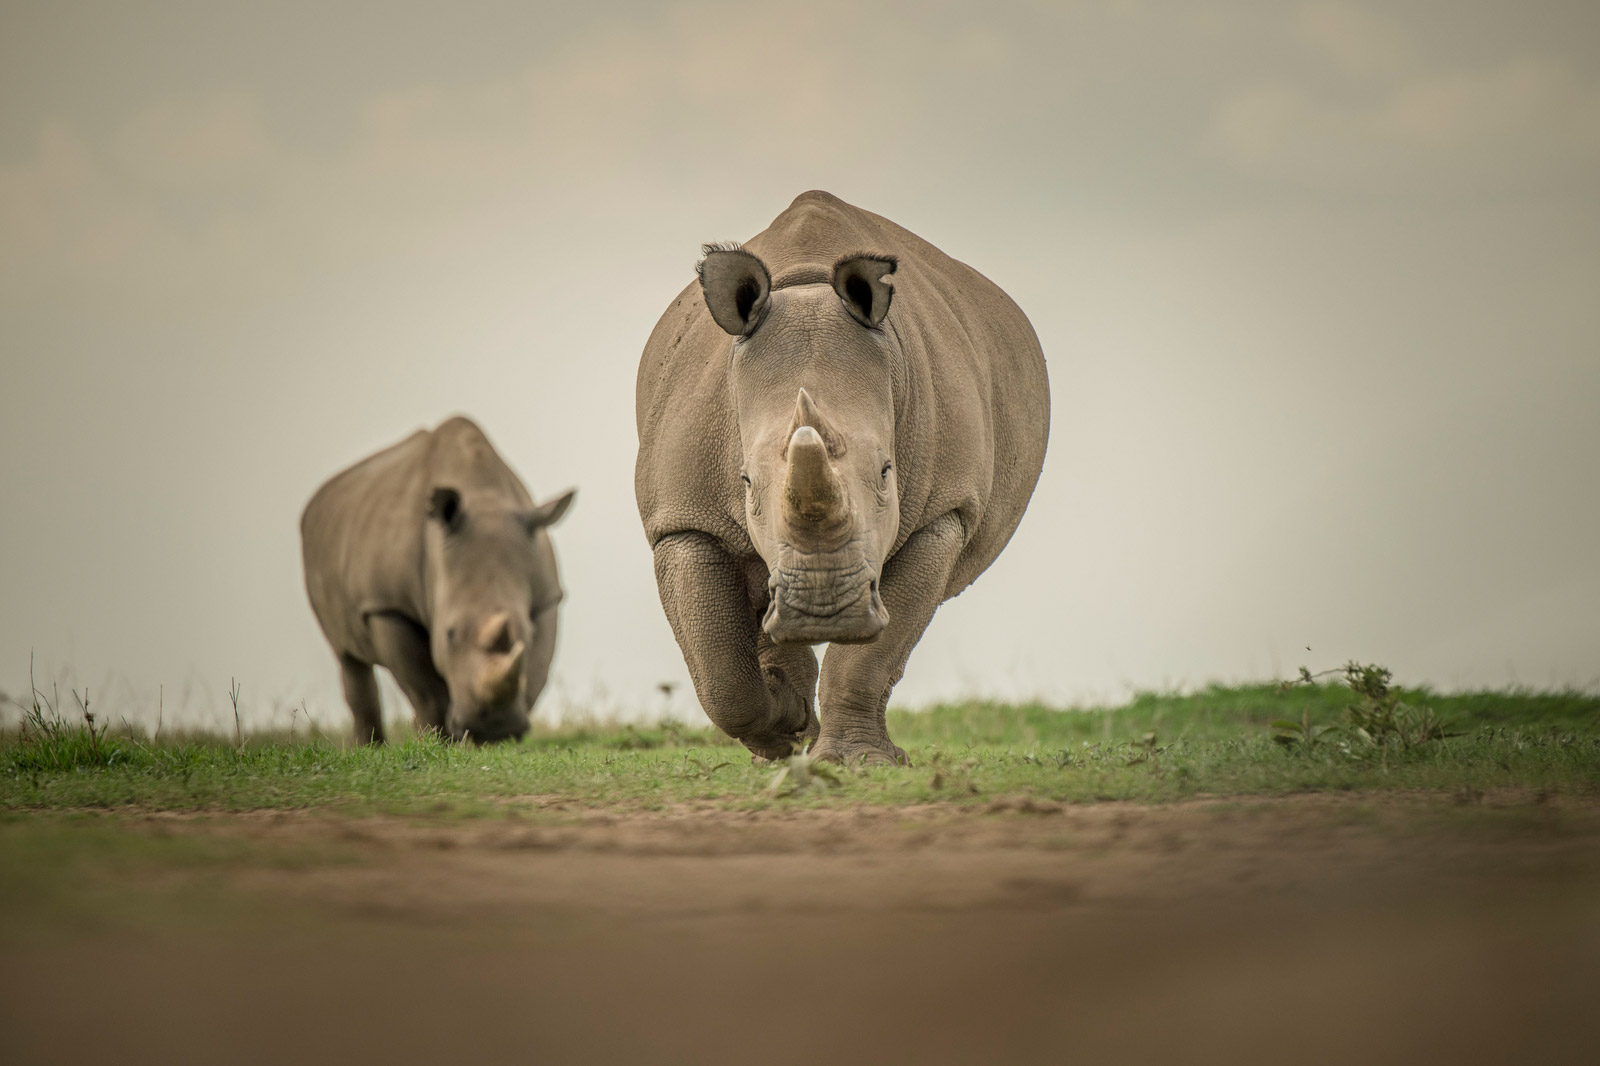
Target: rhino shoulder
686	471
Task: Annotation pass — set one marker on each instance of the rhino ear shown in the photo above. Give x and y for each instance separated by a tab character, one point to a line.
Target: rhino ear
860	281
444	507
547	513
736	286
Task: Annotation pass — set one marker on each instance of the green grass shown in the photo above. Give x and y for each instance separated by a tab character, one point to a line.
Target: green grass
1155	749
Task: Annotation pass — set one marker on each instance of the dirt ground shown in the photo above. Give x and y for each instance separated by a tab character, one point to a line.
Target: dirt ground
1307	930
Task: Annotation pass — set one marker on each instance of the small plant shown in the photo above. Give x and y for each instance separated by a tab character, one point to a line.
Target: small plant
1289	733
947	773
95	735
1144	749
697	769
233	697
1378	719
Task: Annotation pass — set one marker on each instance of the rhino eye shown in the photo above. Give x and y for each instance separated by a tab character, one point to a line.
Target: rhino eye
450	635
883	474
746	479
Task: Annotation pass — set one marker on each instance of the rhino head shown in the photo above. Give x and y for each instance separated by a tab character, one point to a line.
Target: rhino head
812	374
494	590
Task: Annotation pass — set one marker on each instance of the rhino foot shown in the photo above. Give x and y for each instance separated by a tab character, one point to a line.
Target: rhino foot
860	751
770	747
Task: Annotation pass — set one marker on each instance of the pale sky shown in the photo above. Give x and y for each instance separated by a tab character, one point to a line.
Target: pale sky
1317	286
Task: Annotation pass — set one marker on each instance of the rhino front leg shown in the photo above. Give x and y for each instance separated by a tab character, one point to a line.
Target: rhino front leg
361	693
403	649
857	678
790	674
708	603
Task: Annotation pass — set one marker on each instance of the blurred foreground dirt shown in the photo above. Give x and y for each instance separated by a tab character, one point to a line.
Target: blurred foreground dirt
1302	930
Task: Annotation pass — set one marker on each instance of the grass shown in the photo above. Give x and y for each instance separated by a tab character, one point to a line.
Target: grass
1157	748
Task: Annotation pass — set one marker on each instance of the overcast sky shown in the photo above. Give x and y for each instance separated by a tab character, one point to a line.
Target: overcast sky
1317	285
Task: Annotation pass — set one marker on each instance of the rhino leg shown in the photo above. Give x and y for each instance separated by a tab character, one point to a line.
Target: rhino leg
790	673
403	649
754	698
361	693
857	678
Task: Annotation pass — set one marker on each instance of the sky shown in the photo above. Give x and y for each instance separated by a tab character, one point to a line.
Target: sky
1316	285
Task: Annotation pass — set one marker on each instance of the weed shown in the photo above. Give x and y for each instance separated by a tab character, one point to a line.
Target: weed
696	769
1379	719
47	743
1290	733
952	775
233	697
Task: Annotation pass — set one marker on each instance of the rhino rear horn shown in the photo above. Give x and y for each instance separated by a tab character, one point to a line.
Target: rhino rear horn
806	413
736	286
860	281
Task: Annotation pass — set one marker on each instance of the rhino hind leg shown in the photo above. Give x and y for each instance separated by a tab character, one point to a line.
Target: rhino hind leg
857	678
361	693
707	601
403	649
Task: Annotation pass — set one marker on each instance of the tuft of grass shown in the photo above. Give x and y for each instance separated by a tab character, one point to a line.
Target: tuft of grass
49	743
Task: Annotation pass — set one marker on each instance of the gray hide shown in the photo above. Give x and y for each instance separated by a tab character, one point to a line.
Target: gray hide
431	560
839	428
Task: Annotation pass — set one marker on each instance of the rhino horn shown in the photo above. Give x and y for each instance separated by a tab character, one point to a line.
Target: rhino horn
806	413
501	675
813	497
494	636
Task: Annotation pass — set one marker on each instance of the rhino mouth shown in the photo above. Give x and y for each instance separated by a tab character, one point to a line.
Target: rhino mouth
824	598
489	733
488	725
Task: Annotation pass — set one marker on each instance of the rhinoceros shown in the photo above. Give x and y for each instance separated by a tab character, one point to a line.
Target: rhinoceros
839	428
431	560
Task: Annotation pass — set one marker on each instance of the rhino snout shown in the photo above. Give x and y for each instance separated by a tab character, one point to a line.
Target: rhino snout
487	728
493	703
817	603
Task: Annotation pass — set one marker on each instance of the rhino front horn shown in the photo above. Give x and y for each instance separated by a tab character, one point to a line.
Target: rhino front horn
494	636
501	676
813	498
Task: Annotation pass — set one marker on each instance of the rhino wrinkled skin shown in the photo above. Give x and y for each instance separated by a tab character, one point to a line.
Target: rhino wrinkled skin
839	428
431	560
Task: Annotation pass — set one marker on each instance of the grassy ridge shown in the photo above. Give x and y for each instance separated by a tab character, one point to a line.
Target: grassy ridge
1219	713
1156	748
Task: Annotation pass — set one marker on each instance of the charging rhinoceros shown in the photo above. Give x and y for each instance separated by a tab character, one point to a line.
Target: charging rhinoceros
431	560
839	428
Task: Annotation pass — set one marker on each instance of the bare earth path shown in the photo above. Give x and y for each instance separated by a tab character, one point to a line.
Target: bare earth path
1305	929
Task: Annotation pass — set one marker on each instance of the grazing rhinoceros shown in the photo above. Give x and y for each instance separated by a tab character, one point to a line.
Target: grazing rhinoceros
430	559
825	457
